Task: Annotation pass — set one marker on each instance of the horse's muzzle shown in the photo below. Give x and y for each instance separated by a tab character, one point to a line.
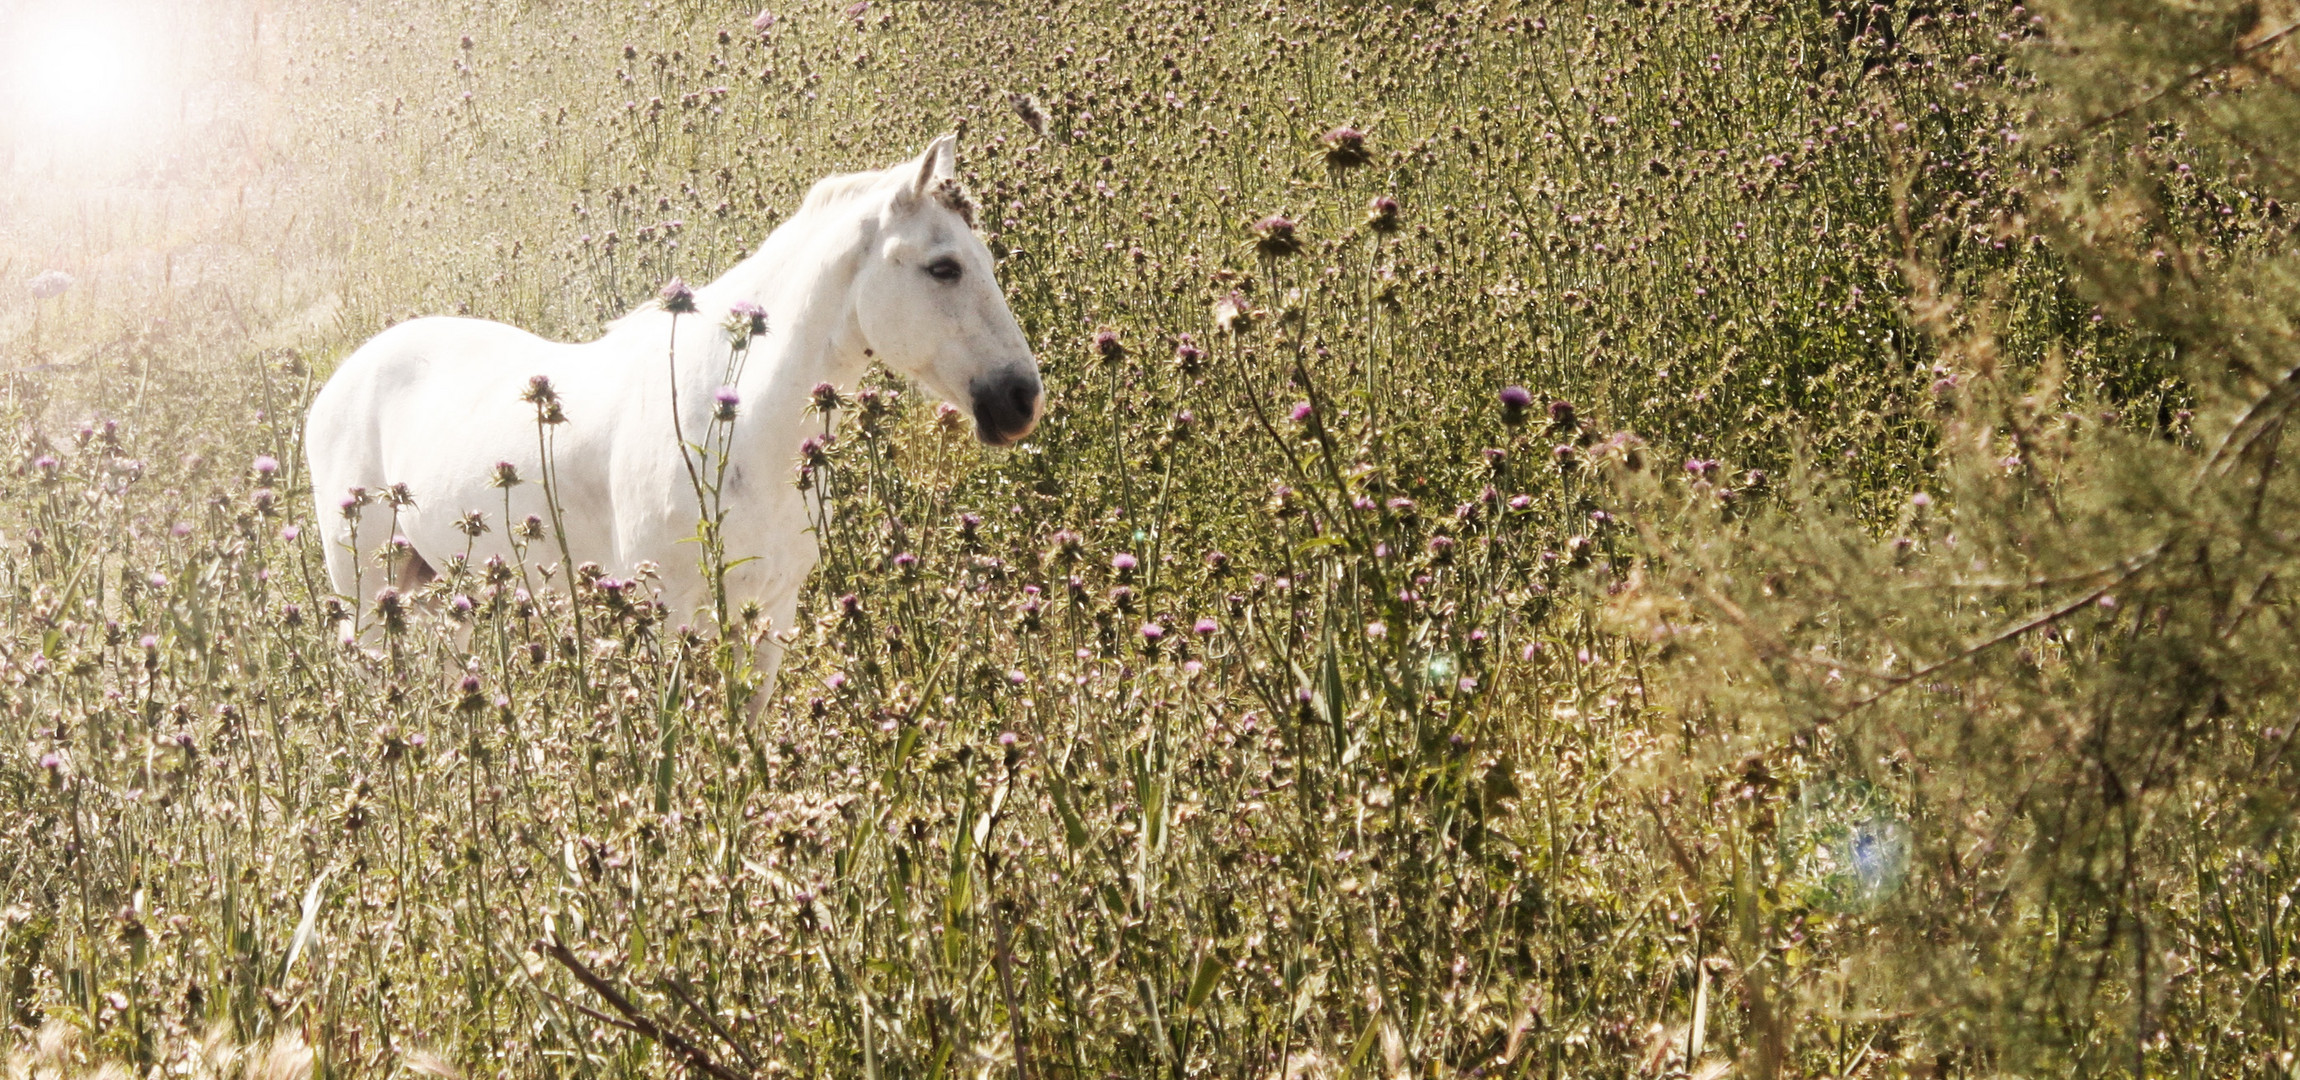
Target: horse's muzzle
1005	406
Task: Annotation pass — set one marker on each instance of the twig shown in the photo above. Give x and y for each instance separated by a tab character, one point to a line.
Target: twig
638	1021
709	1020
2046	617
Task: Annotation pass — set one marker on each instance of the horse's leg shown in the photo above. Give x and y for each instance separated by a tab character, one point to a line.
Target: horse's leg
413	573
781	612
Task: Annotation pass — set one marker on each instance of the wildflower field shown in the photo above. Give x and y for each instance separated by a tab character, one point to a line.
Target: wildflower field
1631	538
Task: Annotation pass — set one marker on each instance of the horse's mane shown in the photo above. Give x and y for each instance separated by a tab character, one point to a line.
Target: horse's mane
826	193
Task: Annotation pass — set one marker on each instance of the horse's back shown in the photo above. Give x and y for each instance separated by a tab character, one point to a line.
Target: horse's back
407	384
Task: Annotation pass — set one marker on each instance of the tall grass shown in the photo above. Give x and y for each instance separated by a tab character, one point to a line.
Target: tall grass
1296	702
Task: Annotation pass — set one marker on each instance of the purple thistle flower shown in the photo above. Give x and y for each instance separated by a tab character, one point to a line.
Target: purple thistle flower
746	317
724	402
1153	633
1124	563
266	465
1205	626
763	21
1274	236
1346	148
677	297
1187	354
1107	346
1514	401
1382	214
1301	412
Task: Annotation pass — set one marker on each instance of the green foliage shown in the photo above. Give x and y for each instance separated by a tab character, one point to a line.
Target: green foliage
2069	662
1290	704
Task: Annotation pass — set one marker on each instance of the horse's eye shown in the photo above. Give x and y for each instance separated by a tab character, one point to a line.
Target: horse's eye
944	269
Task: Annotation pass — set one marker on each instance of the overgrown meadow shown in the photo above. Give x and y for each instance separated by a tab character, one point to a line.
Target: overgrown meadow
1569	539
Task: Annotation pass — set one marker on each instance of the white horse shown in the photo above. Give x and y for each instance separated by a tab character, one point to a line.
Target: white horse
880	265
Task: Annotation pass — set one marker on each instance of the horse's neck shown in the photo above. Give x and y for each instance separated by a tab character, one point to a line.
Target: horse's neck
803	276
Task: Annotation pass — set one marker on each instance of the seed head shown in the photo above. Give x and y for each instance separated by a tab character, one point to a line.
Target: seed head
1234	314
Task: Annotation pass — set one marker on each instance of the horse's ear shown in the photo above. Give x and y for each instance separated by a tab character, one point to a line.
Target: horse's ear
938	163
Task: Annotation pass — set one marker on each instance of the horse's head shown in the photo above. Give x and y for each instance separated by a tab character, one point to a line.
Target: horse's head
928	303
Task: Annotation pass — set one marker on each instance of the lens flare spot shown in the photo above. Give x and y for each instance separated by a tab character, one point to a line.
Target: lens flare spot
79	71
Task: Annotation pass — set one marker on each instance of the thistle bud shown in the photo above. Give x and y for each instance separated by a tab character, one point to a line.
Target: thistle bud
1274	237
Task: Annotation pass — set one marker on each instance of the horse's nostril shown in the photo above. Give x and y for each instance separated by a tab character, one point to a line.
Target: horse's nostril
1006	407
